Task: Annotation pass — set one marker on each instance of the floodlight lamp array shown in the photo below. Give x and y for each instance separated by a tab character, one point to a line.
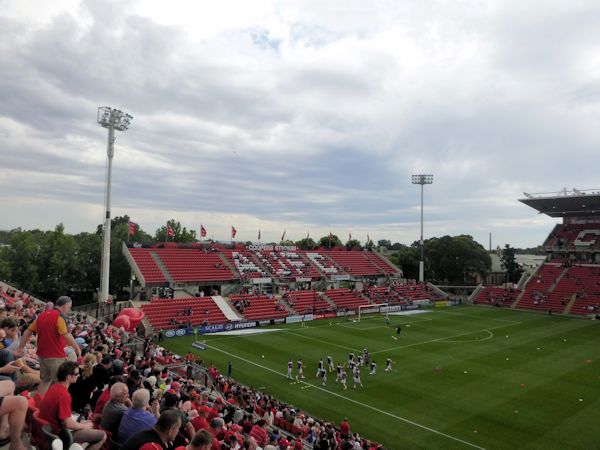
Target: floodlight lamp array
422	179
114	118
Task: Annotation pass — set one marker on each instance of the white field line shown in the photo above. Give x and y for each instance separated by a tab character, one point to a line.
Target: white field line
335	394
470	316
438	339
490	335
355	326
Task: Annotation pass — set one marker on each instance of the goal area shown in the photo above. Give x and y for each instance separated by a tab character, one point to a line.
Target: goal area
373	308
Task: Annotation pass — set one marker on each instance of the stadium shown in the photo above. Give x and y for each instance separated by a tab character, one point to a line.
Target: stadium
251	325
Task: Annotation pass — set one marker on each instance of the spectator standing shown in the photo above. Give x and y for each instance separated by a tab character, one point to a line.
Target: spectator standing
51	328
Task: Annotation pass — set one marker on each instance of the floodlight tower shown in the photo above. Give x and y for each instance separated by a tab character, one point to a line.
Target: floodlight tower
422	180
112	119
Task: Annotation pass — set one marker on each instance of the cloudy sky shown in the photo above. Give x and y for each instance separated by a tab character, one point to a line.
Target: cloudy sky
300	115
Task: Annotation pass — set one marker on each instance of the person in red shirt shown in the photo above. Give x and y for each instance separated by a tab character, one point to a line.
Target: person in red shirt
52	338
200	422
345	428
259	433
56	409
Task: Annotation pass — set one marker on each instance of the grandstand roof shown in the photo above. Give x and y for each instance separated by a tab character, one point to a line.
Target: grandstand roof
565	203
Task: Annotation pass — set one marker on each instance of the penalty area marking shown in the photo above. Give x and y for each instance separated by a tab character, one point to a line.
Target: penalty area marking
335	394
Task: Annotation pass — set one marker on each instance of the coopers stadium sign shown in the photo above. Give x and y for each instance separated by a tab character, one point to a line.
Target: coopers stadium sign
272	248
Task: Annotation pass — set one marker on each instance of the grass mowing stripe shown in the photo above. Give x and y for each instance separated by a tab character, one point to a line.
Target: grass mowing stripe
394	416
318	340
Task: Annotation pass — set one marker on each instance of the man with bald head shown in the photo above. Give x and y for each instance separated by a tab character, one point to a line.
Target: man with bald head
115	408
141	416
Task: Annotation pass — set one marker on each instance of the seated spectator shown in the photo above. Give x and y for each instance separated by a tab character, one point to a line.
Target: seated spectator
81	390
163	433
141	415
12	416
114	409
202	440
56	409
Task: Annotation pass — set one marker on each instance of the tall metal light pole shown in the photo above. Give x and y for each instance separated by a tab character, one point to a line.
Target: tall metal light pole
113	119
422	180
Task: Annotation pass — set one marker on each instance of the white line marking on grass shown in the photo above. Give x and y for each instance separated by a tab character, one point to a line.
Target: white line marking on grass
483	318
319	340
436	340
335	394
358	328
490	335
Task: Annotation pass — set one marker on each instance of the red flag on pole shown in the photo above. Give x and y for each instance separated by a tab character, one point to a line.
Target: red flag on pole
283	235
233	232
132	226
202	231
170	232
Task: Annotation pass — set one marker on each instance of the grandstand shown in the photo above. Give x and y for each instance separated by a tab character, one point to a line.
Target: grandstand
568	282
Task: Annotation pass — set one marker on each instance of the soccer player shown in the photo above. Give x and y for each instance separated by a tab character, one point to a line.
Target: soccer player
323	375
320	366
289	369
360	360
373	368
330	363
398	329
366	354
339	369
300	369
356	374
388	364
351	364
387	321
343	378
350	357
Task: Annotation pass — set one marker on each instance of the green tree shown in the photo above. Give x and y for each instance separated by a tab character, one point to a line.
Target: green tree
510	264
330	241
89	260
456	259
58	264
182	234
306	244
407	258
23	256
354	244
384	243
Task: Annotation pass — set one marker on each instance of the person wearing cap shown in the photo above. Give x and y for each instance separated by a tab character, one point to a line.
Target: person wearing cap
141	415
163	433
284	444
200	422
51	329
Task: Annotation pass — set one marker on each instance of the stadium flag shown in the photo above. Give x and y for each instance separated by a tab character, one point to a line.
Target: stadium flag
170	232
233	232
283	235
307	234
132	226
202	231
259	234
368	239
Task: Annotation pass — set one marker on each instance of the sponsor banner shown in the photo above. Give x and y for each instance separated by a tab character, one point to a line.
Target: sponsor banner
272	248
211	328
243	325
293	319
345	313
392	308
170	333
282	320
442	304
324	316
308	317
264	280
264	322
369	310
421	302
412	307
340	277
303	279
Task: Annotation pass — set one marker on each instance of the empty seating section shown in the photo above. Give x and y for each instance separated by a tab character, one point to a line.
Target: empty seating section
161	312
382	263
497	296
194	265
148	267
277	266
345	298
354	263
305	302
243	262
325	265
302	266
258	307
537	291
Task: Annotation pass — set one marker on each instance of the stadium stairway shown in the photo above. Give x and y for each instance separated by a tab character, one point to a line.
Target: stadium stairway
162	267
230	313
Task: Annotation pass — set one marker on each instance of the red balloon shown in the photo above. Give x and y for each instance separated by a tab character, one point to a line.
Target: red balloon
122	321
134	315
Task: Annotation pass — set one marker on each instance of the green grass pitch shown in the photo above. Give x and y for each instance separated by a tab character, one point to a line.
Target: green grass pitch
463	377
